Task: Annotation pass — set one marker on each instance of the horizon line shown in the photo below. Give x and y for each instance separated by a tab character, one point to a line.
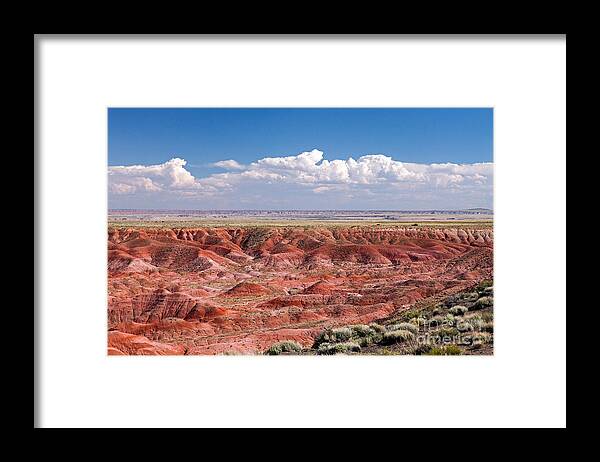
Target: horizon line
295	210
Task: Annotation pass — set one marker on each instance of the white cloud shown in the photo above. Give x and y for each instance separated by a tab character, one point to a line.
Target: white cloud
322	189
170	175
369	176
229	164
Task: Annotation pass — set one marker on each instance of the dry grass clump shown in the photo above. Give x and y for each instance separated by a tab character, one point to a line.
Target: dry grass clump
362	330
338	348
483	302
464	326
458	310
339	334
378	328
397	336
287	346
445	350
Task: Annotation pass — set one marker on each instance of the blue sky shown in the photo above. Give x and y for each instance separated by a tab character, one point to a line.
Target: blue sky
409	138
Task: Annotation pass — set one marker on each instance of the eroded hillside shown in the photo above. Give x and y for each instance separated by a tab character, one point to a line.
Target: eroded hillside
240	290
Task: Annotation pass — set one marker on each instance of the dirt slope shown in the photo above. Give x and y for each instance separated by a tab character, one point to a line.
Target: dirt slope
239	290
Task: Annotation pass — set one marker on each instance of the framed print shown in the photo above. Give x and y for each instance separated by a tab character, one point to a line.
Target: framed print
287	232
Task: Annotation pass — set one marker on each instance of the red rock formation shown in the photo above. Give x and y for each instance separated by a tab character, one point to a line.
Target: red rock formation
238	290
120	343
246	289
320	287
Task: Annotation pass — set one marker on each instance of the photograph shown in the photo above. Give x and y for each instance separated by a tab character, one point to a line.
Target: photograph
300	231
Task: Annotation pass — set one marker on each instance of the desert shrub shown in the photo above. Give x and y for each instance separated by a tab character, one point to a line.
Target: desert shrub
413	347
420	321
409	326
340	334
436	321
464	326
470	296
444	350
338	348
377	327
445	332
452	300
421	349
389	352
458	310
449	319
488	326
323	337
436	311
487	316
366	341
287	346
482	337
397	336
410	314
484	285
361	330
476	321
483	302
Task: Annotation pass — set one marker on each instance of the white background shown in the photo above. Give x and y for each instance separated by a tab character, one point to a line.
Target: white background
524	384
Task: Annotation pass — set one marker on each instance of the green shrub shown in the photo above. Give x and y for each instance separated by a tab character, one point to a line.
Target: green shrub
487	316
476	321
458	310
444	350
338	348
389	352
445	332
418	349
323	337
409	326
397	336
436	321
410	314
485	284
339	334
482	338
483	302
449	319
420	321
470	296
464	326
361	330
366	341
287	346
488	326
377	327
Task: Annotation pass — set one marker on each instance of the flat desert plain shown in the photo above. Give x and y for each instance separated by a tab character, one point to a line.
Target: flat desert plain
223	285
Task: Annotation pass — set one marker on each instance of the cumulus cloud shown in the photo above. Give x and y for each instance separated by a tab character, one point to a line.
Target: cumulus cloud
133	178
229	164
372	175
